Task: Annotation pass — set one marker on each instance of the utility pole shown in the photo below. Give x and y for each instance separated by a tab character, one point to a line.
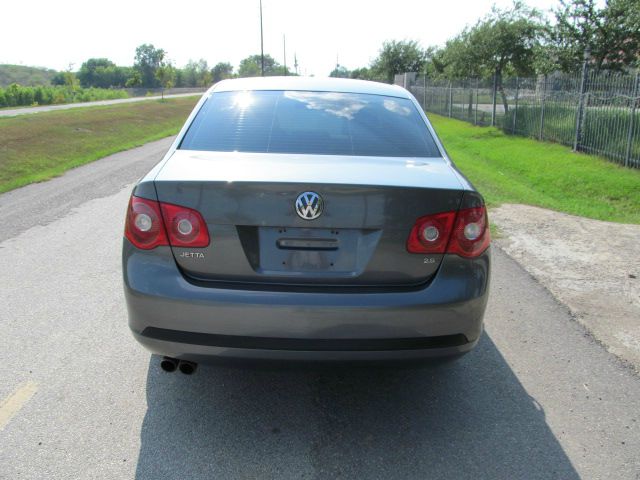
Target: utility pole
284	51
261	42
295	62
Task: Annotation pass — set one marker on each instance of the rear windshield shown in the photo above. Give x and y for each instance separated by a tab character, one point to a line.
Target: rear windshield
324	123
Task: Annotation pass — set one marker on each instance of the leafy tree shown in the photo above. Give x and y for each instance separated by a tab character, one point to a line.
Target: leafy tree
362	73
179	82
134	80
196	74
221	71
458	58
147	60
58	79
121	75
505	41
398	57
92	72
103	73
340	72
611	34
166	76
251	67
70	79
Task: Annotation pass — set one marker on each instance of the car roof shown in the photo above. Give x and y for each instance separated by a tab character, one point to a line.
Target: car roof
313	84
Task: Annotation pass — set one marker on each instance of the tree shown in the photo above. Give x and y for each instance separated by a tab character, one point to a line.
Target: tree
340	72
147	60
58	79
196	74
398	57
220	71
92	72
458	59
135	80
166	76
67	78
611	34
362	73
504	41
251	67
103	73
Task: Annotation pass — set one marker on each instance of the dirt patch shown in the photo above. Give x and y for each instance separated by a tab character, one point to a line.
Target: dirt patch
591	266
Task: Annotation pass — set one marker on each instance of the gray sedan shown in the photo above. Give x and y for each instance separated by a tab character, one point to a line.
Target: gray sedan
305	219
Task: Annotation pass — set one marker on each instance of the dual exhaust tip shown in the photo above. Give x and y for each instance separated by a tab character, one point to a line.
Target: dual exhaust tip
169	364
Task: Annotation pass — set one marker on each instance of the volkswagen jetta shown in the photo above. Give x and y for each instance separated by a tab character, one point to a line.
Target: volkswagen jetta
305	219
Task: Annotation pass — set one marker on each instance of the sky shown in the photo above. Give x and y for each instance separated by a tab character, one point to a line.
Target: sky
57	34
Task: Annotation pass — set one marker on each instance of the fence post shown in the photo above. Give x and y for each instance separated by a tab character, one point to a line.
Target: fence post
462	100
544	97
475	119
515	107
634	101
493	101
424	92
583	89
450	98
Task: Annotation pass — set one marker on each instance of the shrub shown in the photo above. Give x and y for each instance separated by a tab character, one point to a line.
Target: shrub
17	95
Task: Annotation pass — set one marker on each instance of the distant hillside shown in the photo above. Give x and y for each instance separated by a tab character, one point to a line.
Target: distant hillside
25	75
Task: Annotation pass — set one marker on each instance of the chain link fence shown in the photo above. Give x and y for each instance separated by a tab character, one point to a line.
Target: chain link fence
593	112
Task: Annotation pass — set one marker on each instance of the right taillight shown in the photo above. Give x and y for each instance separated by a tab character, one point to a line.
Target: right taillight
470	236
430	234
150	224
463	233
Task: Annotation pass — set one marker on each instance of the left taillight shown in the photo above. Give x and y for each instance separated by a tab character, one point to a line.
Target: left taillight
150	224
185	226
144	226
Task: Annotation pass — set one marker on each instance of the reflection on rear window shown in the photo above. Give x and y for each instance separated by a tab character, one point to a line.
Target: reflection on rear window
324	123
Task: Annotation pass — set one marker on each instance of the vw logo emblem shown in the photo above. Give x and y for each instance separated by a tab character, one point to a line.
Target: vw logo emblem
309	205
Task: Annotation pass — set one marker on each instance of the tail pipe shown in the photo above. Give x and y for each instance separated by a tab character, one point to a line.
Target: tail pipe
169	364
187	367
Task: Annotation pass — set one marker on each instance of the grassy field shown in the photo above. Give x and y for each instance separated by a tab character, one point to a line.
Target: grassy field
40	146
510	169
25	75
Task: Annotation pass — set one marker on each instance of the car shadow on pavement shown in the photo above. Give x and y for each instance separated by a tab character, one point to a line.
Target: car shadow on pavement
468	419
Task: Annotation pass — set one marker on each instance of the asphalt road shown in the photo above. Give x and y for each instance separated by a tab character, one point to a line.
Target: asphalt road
13	112
537	399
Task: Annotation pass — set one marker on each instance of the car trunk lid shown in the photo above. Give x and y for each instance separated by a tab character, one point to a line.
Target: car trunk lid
248	201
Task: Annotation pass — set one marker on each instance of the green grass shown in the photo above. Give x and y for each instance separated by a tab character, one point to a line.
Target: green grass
509	169
40	146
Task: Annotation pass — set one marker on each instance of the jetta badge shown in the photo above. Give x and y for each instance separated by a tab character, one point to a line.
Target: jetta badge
309	205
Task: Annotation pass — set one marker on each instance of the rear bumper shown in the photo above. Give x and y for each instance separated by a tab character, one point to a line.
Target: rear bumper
171	316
